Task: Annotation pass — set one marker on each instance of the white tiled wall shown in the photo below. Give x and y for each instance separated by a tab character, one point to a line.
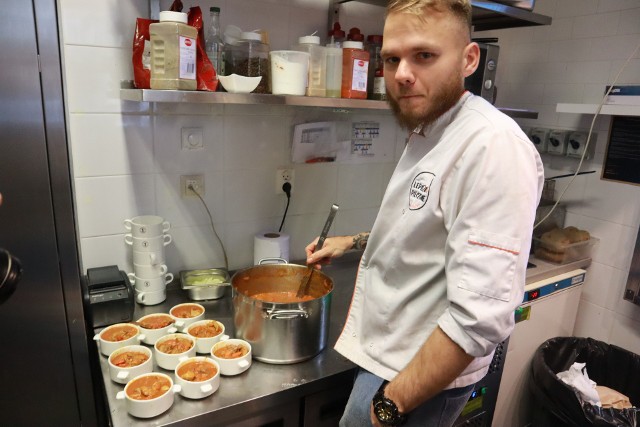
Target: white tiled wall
127	158
571	62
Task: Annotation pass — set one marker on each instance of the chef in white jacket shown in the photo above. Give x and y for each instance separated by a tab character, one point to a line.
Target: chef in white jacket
444	265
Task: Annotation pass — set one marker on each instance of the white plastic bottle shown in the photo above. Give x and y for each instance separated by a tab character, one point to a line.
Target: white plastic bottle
333	70
173	52
316	82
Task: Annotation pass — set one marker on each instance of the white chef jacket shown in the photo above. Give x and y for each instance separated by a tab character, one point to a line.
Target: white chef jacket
449	246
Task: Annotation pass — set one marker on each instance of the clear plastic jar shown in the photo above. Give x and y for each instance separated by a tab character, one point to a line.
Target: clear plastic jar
316	82
251	58
173	52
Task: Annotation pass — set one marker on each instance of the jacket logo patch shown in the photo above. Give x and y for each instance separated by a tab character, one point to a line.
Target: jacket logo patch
419	191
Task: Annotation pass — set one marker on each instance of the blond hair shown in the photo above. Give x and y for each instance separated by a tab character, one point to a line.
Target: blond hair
461	9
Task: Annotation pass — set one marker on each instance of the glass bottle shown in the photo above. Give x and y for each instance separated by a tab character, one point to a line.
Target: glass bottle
213	42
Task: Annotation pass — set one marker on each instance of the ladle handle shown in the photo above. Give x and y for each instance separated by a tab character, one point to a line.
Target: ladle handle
327	226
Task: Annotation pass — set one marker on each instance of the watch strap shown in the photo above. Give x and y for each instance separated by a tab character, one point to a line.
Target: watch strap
385	409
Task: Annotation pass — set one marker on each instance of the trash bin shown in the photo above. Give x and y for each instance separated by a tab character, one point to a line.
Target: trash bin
608	365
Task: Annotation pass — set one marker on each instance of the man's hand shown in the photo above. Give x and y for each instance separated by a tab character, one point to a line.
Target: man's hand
333	247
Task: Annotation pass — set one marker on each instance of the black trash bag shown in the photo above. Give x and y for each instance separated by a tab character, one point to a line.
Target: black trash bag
607	365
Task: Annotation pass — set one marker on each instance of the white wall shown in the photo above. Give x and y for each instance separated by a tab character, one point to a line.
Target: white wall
571	61
127	160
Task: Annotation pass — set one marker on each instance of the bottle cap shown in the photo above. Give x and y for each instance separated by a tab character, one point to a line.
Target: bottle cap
374	38
168	16
250	35
214	9
337	32
350	44
356	37
309	40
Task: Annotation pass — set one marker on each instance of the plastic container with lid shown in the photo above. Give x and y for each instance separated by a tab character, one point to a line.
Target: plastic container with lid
289	72
316	84
334	70
375	80
173	52
251	58
355	66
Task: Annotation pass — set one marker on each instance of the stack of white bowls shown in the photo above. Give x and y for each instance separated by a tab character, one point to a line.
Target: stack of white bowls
148	237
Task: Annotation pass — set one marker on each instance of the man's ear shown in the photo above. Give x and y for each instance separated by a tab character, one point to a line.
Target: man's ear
470	58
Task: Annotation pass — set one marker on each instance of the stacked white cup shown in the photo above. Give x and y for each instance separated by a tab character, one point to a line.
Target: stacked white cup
148	236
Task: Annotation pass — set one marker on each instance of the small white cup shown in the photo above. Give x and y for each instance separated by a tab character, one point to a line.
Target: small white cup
122	374
149	271
204	344
197	389
147	225
170	361
149	258
108	345
232	366
150	285
181	320
151	335
151	297
148	244
149	408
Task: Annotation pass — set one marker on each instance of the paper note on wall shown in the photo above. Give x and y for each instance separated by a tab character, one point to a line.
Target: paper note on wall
313	141
363	137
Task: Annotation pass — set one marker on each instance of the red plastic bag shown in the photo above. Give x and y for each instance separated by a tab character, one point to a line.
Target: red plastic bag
141	57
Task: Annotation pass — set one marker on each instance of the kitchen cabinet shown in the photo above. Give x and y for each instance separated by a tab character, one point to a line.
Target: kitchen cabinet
486	15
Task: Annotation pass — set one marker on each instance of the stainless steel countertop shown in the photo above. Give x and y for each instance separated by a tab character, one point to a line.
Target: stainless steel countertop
266	385
263	385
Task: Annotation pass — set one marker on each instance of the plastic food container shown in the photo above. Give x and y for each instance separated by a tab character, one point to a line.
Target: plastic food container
289	72
209	283
563	253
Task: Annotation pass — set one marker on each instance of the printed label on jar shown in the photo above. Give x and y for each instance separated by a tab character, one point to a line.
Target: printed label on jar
187	58
146	55
360	69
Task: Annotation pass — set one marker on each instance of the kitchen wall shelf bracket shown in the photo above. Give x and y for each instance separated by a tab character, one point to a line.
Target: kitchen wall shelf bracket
607	109
487	15
127	93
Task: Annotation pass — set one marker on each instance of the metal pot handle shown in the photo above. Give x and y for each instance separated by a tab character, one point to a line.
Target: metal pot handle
284	314
277	261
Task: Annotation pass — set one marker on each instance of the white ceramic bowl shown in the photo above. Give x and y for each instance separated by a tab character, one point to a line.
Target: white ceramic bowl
109	345
204	344
122	374
235	83
152	407
182	321
197	389
232	366
152	335
170	361
151	297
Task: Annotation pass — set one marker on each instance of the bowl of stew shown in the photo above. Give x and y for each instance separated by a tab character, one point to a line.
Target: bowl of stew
155	325
206	333
117	336
233	356
128	362
172	349
187	313
198	377
149	395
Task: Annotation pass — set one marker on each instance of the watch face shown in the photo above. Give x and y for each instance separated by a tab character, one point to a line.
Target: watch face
385	410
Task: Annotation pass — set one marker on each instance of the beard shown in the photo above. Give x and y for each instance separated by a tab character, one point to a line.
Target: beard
442	99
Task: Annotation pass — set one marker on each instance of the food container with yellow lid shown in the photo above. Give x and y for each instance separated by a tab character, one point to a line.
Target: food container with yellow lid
204	284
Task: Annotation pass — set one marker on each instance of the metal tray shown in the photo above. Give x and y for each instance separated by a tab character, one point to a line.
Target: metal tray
208	283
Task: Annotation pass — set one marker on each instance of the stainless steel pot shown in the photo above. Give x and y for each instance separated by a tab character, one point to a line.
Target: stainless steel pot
281	333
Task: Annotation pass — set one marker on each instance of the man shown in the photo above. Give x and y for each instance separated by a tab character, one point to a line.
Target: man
444	265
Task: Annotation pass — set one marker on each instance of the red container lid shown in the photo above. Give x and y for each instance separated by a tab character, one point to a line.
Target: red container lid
374	38
337	32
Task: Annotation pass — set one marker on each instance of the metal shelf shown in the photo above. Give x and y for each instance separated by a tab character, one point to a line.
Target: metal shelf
487	15
200	97
607	109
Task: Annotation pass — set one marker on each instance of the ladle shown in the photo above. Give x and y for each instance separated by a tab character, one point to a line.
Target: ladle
304	284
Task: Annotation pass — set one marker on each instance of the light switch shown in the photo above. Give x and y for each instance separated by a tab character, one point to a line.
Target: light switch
557	142
539	138
577	142
192	139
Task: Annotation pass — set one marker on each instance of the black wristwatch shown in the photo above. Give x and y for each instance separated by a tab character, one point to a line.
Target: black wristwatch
386	410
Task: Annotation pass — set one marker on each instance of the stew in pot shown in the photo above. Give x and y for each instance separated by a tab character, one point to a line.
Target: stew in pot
281	297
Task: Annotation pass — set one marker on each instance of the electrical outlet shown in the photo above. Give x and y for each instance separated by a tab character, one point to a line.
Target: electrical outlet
282	176
197	181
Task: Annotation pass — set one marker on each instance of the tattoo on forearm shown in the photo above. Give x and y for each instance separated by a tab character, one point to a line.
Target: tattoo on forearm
360	241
